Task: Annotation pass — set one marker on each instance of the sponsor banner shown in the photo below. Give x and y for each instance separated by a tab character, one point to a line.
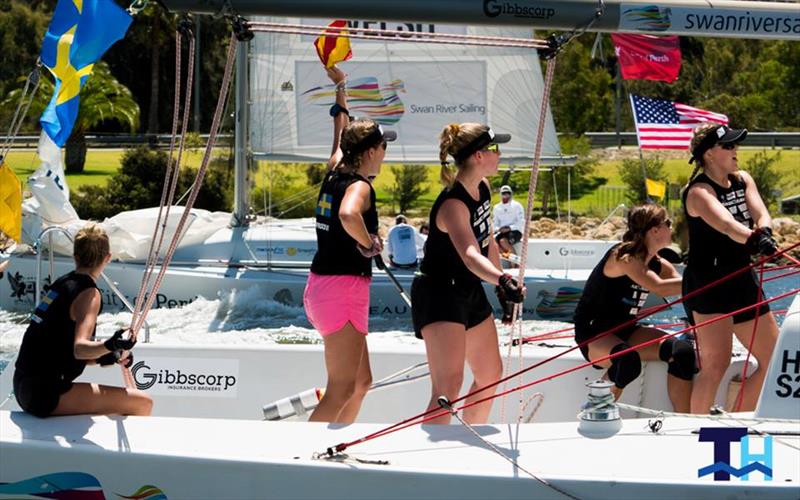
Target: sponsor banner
664	18
200	377
441	93
404	30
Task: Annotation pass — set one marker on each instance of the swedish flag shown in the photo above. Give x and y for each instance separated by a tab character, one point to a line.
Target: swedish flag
324	205
79	33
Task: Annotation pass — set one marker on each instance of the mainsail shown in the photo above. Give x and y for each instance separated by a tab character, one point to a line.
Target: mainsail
413	88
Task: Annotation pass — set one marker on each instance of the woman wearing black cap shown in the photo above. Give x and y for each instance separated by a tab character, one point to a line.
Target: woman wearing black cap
728	222
336	297
449	306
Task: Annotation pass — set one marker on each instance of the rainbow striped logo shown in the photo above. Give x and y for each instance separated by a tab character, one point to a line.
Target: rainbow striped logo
649	18
365	98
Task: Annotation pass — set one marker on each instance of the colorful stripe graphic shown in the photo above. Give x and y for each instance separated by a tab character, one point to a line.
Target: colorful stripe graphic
560	305
146	492
365	98
59	486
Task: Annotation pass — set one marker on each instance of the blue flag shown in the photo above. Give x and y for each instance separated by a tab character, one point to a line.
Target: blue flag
79	34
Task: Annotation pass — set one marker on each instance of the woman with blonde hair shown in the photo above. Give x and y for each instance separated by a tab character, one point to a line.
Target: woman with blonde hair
59	343
336	297
728	223
449	306
615	292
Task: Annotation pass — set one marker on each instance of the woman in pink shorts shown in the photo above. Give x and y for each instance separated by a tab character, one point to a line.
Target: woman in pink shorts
336	298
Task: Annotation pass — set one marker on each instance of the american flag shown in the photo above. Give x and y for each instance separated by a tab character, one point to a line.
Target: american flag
662	124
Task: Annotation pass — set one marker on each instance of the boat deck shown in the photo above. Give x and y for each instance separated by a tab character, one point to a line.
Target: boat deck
596	468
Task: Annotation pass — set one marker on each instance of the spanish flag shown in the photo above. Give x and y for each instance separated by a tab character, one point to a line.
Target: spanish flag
656	188
10	204
332	48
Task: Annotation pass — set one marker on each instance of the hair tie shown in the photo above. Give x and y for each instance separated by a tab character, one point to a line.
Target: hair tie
445	163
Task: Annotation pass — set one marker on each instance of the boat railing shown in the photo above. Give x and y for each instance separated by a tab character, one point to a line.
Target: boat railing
37	247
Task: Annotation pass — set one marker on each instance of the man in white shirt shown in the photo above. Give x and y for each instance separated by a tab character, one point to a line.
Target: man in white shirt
402	244
509	220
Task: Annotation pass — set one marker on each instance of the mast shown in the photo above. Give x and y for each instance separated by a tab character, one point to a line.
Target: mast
242	136
717	18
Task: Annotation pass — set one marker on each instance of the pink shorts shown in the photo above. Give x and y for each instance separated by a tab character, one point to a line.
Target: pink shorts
332	301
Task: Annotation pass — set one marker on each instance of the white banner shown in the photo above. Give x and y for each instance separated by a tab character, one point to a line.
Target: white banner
202	377
659	18
412	88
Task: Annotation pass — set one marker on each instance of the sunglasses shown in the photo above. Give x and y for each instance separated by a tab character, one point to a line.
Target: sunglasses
494	148
728	145
668	223
383	145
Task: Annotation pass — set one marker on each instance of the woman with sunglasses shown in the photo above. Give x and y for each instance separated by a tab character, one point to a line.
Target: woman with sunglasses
616	290
449	306
336	297
728	222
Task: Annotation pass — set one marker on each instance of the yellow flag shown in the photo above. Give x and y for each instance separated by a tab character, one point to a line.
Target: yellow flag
332	48
656	188
10	203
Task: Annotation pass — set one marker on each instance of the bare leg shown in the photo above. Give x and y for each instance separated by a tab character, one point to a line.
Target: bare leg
343	352
764	344
715	343
94	399
679	390
483	357
363	382
445	345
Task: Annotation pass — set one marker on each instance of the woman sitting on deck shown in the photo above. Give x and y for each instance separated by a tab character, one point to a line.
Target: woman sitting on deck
336	297
58	344
615	292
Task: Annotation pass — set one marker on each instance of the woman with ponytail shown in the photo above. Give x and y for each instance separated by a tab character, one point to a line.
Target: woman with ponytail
728	223
336	297
616	290
449	306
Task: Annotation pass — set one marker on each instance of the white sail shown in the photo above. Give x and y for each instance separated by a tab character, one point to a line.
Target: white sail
413	88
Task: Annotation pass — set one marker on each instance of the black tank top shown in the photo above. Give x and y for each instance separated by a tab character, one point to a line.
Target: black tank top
441	258
710	250
337	251
47	348
611	301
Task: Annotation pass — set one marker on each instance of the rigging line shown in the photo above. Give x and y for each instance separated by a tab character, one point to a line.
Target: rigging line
785	275
413	420
346	31
416	421
18	118
444	403
172	171
524	44
225	87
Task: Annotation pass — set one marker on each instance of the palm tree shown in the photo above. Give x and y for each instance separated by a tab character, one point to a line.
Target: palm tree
103	99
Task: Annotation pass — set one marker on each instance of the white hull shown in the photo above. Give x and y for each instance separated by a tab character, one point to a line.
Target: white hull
552	294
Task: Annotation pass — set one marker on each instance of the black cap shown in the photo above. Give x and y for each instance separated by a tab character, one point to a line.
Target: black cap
480	142
373	139
719	135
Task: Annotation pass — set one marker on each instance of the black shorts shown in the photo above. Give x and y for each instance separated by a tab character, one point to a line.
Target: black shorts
512	236
738	292
39	395
586	331
434	299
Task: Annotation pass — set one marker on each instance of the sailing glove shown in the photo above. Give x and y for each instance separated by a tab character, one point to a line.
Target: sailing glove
117	343
508	307
511	290
761	242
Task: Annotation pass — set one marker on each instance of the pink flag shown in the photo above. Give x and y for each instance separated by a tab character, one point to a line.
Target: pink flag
648	57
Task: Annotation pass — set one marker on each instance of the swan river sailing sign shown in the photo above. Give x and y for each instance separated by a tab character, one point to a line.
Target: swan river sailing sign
413	88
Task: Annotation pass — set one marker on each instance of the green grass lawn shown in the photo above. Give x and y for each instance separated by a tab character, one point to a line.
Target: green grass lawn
289	179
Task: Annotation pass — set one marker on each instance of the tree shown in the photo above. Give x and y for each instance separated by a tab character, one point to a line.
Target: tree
410	182
102	100
765	178
633	171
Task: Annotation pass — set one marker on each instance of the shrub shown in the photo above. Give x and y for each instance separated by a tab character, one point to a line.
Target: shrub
410	182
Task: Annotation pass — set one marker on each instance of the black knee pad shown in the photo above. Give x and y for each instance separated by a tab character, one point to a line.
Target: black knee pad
625	368
684	363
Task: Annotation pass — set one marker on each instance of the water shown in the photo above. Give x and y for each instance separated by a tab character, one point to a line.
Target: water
245	318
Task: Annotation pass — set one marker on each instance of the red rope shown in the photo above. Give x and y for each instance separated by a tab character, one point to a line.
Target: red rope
784	275
413	420
439	413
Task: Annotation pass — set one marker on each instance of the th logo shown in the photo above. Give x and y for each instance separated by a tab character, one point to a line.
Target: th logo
722	437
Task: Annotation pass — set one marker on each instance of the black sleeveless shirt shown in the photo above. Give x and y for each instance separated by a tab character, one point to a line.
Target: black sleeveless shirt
607	302
337	251
441	258
708	248
47	348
